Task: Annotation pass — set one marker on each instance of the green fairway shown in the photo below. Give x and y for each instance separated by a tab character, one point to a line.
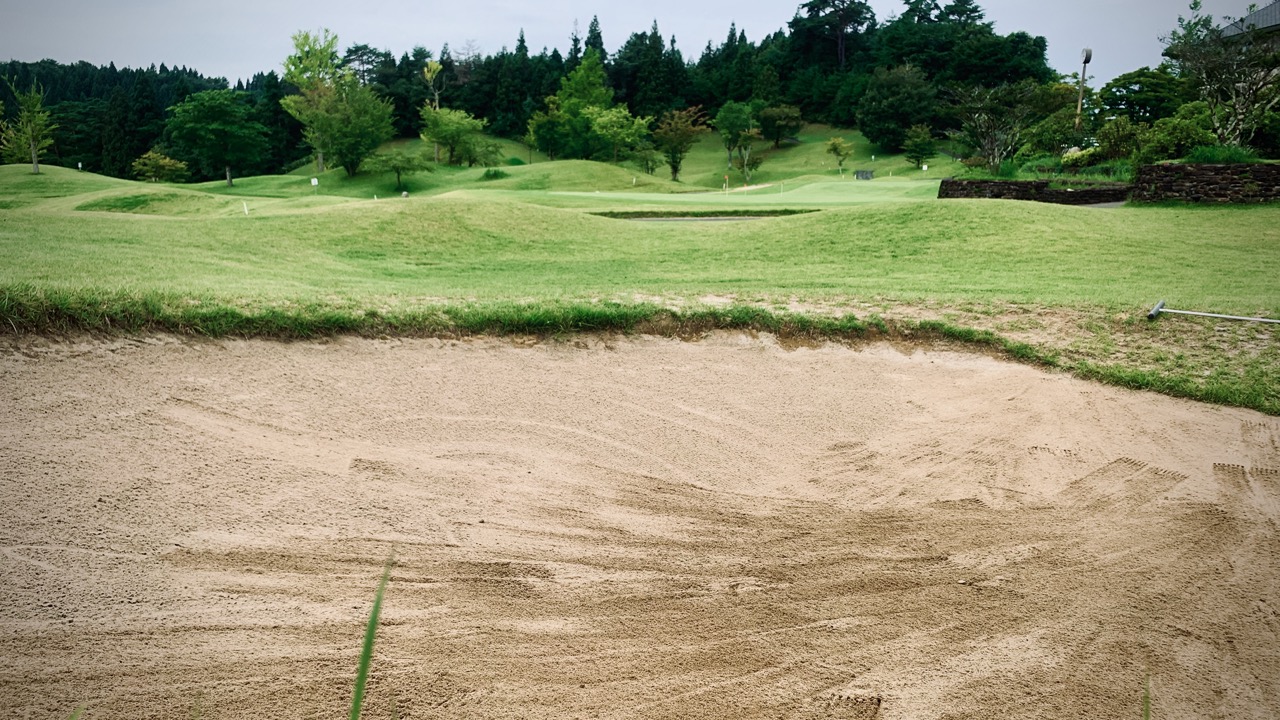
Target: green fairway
873	240
533	239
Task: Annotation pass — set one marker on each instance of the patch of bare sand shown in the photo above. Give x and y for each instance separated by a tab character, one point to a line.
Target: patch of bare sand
632	528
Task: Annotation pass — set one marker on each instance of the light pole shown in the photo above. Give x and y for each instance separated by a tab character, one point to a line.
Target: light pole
1086	56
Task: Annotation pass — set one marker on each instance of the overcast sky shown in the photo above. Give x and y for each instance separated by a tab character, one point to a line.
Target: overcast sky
235	39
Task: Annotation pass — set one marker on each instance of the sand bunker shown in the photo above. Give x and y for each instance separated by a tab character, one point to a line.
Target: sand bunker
634	529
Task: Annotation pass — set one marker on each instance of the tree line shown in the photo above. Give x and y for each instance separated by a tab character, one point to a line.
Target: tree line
935	70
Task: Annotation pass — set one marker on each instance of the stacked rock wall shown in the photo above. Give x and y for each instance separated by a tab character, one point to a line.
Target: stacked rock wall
1254	183
1036	190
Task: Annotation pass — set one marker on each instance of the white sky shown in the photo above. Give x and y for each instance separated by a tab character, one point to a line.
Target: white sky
235	39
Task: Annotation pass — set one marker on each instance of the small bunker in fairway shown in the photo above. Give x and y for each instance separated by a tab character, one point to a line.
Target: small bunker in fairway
698	215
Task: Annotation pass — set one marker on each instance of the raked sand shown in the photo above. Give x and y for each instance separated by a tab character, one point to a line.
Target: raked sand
623	528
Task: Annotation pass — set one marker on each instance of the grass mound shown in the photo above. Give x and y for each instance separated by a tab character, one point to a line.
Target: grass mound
581	176
20	183
159	202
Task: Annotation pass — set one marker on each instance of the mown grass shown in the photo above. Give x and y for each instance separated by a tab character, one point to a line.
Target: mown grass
93	254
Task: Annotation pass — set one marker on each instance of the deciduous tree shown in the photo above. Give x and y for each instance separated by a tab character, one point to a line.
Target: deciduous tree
1236	74
919	146
840	148
780	122
398	161
896	99
155	166
992	120
359	122
733	119
313	69
452	129
1145	95
676	133
618	127
215	129
31	133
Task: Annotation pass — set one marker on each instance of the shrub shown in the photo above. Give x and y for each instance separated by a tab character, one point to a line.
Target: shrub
1175	137
1221	155
1075	161
514	161
1119	170
493	174
1043	165
157	167
1119	138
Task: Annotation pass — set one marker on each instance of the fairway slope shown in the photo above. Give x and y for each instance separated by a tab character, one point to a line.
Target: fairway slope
22	188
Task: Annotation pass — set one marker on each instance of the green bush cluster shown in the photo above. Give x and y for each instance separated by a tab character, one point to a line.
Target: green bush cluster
1121	144
1043	165
1221	155
1074	160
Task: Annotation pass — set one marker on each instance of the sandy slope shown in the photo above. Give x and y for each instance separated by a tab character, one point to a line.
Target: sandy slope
624	529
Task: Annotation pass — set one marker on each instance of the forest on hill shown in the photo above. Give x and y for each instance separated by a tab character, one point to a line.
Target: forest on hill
835	63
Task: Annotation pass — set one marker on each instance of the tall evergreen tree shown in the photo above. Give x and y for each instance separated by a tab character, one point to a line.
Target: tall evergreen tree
595	41
839	20
146	123
511	104
962	12
116	157
575	50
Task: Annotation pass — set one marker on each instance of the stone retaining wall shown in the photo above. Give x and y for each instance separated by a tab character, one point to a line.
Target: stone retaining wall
1254	183
1035	190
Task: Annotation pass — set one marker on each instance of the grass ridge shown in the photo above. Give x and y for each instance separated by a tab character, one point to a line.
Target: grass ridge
28	310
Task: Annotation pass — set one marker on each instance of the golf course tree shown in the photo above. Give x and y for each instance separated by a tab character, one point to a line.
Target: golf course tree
734	119
341	116
1145	95
581	121
399	161
736	123
747	160
313	69
154	166
31	132
1233	69
648	75
676	134
621	130
841	149
646	156
919	145
896	99
453	130
838	21
358	122
780	122
215	132
993	120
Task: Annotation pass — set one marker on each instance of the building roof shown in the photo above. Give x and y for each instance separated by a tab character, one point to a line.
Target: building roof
1265	20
